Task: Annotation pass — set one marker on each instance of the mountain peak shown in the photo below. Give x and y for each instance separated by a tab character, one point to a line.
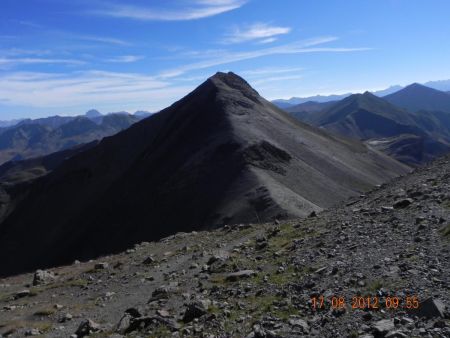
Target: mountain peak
227	77
230	80
417	97
416	85
223	143
368	94
360	97
93	113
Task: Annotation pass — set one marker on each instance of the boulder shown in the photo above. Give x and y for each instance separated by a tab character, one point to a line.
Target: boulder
22	294
300	323
402	203
101	266
429	308
196	309
163	292
42	277
382	327
149	260
86	328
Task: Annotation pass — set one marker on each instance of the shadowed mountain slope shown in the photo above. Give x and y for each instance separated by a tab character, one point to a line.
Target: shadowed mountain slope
14	172
35	138
220	155
306	111
413	138
418	97
365	116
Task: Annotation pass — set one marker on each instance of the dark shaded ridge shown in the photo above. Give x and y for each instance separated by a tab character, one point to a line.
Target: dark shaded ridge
175	190
221	154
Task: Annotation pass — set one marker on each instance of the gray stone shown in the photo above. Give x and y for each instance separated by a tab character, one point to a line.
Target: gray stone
163	292
32	332
22	294
299	323
382	327
87	327
67	317
403	203
196	309
429	308
42	277
124	323
149	260
235	276
395	334
101	266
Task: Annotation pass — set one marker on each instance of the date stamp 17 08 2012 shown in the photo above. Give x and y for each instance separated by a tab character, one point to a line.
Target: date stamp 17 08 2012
365	302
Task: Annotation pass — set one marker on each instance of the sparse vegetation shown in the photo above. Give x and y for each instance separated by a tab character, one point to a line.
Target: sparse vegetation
446	230
374	286
45	312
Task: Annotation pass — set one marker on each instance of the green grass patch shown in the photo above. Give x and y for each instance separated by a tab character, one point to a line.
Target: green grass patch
45	312
4	296
15	325
374	285
446	230
283	277
263	304
69	283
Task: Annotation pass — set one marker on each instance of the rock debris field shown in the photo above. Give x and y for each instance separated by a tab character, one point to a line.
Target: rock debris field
374	266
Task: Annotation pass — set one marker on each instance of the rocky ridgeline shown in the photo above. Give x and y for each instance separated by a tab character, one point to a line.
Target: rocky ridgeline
263	280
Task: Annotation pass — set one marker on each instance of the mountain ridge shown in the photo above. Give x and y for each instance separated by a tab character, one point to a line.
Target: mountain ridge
239	156
442	85
34	138
417	97
411	137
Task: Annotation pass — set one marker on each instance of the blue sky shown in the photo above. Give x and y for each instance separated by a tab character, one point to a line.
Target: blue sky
65	57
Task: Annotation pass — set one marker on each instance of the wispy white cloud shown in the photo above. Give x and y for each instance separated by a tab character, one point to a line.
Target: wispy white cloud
197	9
307	46
101	39
95	88
27	23
19	52
273	79
126	58
261	32
10	62
271	71
268	40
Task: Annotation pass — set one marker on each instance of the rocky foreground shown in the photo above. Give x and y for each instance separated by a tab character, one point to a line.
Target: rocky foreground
263	280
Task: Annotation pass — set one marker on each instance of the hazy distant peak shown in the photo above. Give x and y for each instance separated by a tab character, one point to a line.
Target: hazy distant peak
93	113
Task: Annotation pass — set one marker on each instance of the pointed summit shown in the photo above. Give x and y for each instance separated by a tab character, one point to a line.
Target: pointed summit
228	86
364	116
232	81
417	97
93	113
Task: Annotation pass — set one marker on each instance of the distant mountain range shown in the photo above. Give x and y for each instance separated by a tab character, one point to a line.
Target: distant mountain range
32	138
412	125
294	101
418	97
304	111
443	85
221	155
327	98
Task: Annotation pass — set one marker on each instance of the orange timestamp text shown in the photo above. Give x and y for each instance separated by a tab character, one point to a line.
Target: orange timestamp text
365	302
